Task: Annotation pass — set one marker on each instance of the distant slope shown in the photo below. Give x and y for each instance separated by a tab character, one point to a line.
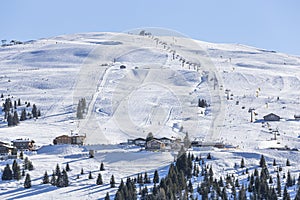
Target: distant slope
156	92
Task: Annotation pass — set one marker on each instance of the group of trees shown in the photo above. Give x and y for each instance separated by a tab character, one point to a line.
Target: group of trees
11	112
259	184
126	191
58	178
81	108
202	103
178	182
15	172
169	187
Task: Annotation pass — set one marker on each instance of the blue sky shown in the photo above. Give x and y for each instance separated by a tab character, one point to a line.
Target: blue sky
272	25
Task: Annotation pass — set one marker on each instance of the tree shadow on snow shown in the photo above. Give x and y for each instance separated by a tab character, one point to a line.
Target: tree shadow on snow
20	193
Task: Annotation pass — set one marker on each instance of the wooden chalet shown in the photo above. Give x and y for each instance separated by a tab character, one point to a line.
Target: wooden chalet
23	144
66	139
7	149
271	117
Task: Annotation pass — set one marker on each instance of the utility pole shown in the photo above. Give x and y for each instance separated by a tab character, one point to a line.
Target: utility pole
227	91
275	134
251	113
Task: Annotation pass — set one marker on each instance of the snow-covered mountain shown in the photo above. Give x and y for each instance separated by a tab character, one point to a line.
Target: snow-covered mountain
157	91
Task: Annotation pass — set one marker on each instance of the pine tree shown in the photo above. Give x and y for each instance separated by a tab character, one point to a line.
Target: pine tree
68	167
9	120
242	194
21	156
81	171
23	172
16	170
90	175
274	162
45	178
15	119
271	180
146	179
107	196
59	181
209	156
19	102
156	177
186	140
224	194
286	195
289	181
237	184
149	136
242	163
99	180
23	115
262	162
53	179
83	103
190	187
278	186
27	182
288	162
26	160
112	181
7	173
102	167
57	170
17	173
65	179
79	113
34	111
119	196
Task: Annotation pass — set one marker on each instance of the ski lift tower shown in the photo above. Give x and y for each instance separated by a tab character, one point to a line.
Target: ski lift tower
251	110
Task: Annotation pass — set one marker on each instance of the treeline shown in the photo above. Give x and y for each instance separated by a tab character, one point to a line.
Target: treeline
192	178
173	186
11	108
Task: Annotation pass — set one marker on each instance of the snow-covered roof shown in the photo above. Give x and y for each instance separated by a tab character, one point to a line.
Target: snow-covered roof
21	140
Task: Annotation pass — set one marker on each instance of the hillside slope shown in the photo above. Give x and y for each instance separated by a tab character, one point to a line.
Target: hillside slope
157	91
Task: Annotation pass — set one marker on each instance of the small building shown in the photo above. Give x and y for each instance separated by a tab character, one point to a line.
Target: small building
7	149
271	117
78	139
23	144
130	141
63	139
140	142
166	141
74	139
155	144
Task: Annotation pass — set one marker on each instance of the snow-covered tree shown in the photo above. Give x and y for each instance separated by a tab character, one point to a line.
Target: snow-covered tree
112	181
99	180
7	173
45	178
27	182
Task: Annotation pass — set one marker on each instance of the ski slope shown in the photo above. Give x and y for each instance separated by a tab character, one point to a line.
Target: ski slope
155	93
